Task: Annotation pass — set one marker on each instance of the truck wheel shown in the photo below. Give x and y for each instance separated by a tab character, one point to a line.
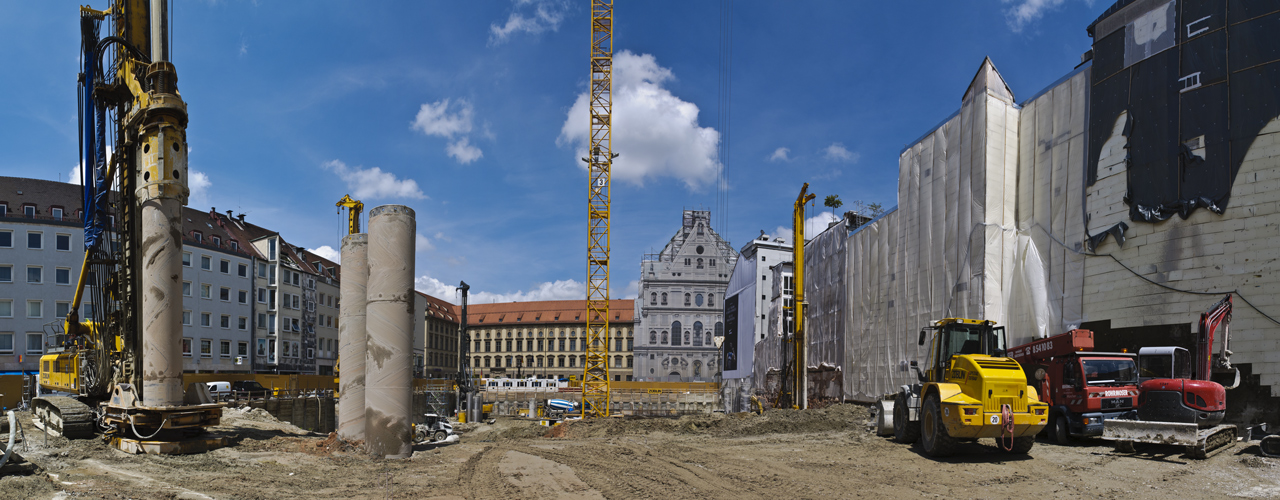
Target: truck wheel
933	433
1021	445
1061	430
440	436
904	429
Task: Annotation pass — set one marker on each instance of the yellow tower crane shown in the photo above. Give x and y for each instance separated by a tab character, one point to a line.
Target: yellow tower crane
595	373
354	208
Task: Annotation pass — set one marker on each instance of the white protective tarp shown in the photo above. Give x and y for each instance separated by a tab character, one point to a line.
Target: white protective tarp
825	292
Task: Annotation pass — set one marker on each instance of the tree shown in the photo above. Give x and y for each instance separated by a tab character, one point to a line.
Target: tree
833	201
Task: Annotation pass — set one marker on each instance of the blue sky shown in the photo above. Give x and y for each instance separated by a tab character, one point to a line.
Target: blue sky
462	110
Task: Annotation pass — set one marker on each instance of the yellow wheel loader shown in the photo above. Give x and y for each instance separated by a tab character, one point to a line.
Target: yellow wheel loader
970	390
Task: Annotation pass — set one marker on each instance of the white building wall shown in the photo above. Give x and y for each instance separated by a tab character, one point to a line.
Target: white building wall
46	296
218	328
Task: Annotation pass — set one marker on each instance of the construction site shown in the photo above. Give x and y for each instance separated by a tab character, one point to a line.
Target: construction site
1075	296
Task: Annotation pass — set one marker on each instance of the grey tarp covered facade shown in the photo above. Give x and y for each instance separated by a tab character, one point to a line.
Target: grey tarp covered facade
826	295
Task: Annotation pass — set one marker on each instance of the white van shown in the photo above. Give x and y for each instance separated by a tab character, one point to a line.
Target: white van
219	390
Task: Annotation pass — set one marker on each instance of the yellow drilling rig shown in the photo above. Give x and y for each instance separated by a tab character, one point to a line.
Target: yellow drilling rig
121	364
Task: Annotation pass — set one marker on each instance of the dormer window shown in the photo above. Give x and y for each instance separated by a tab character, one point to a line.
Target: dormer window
4	210
29	211
198	236
217	241
56	213
236	246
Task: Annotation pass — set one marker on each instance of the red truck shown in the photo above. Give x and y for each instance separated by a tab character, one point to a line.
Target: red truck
1083	388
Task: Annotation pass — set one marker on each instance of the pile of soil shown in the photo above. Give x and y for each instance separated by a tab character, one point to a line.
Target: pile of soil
838	417
256	418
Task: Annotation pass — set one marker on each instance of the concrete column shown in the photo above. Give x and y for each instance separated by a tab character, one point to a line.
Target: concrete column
352	338
389	321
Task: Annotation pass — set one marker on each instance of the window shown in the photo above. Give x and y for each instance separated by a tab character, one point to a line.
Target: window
262	270
186	318
4	210
711	262
224	294
242	349
35	240
62	242
295	302
205	319
242	269
224	266
6	239
6	342
35	308
186	288
631	346
234	246
217	242
199	237
206	263
224	348
243	323
688	261
271	249
262	320
186	259
56	213
295	324
295	279
35	343
61	309
225	321
6	308
62	276
29	211
206	348
698	300
244	296
6	273
271	323
271	274
206	291
88	310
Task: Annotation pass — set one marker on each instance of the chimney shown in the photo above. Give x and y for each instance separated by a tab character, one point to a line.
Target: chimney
241	216
229	216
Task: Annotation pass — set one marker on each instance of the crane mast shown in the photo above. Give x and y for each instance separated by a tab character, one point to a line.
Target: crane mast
595	373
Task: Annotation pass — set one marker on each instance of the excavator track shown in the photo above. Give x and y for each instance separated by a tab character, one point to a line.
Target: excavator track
1224	435
63	416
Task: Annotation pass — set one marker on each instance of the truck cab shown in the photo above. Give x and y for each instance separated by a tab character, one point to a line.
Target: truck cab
1082	387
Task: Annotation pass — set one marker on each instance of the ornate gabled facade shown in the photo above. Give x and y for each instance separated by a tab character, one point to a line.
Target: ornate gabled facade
680	307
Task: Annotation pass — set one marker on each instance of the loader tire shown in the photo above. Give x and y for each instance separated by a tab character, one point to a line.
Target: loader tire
933	433
904	429
1021	445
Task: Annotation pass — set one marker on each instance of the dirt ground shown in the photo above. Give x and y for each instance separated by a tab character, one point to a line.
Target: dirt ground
828	453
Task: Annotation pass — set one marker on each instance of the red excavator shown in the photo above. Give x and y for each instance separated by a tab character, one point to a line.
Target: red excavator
1178	403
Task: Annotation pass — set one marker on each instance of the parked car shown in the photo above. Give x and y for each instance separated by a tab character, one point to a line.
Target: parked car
250	389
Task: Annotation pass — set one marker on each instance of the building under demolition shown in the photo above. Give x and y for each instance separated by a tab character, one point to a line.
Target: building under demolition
1112	200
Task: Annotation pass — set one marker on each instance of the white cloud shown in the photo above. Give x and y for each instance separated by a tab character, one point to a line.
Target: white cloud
422	243
1025	12
546	15
199	185
329	253
837	152
440	236
780	154
368	183
435	118
656	132
812	226
551	290
463	151
76	171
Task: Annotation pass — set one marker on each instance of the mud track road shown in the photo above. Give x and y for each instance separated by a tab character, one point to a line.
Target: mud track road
827	453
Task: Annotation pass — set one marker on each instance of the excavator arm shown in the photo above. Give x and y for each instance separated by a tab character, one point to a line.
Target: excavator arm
1218	315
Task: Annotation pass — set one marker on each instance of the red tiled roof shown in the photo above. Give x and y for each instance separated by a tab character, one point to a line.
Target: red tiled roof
544	312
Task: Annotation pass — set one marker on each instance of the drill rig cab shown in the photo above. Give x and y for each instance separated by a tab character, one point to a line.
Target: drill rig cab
970	390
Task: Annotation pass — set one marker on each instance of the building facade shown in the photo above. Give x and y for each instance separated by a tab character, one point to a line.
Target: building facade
545	339
680	304
749	300
440	342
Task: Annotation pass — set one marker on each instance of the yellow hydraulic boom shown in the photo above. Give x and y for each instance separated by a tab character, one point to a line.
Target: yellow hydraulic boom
798	394
354	209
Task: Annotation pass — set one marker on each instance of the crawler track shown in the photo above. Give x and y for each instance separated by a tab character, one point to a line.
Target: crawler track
64	416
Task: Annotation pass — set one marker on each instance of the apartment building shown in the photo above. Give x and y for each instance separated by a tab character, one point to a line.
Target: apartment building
440	353
545	339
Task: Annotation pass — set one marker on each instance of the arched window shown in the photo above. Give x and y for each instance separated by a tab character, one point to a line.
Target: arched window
653	298
698	300
687	299
664	298
653	337
664	338
711	300
719	329
675	332
697	333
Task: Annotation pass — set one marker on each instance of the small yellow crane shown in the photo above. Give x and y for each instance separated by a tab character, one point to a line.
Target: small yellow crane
354	208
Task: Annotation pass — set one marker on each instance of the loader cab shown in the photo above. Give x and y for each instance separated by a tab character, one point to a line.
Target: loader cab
1163	362
956	337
